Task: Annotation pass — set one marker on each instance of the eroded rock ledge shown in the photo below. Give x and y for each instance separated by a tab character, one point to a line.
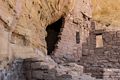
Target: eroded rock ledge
23	24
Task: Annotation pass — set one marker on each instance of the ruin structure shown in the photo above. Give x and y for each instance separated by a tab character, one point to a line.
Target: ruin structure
59	40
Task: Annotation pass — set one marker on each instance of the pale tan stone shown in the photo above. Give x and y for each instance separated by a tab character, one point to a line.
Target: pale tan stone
99	41
29	20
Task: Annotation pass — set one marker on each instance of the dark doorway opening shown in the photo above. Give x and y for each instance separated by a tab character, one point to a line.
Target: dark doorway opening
53	32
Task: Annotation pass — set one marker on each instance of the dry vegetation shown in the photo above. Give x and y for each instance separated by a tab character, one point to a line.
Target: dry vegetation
107	11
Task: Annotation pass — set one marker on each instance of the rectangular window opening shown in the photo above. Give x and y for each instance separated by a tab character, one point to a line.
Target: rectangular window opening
99	41
77	37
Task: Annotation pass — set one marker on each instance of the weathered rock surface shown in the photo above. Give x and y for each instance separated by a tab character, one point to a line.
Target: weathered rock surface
23	30
32	69
66	71
23	48
26	21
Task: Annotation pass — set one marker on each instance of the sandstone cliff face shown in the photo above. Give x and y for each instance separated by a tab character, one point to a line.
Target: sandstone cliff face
23	24
106	11
22	38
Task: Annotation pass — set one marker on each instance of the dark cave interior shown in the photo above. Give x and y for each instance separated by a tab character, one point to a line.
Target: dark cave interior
53	32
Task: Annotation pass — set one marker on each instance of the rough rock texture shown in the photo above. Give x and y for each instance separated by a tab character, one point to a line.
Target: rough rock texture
25	22
14	72
23	48
112	74
49	70
22	32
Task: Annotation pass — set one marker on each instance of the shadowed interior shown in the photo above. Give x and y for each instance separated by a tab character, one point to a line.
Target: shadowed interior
53	32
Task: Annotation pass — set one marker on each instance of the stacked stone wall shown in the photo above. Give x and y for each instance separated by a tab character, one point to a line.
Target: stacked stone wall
94	58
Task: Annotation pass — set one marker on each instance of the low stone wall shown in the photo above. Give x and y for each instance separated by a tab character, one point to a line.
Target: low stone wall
97	58
49	70
111	74
34	69
15	71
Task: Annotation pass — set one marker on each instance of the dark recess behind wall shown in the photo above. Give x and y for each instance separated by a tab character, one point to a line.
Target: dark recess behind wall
52	38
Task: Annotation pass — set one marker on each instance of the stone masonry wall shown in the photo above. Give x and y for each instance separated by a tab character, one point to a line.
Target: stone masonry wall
111	74
75	31
95	59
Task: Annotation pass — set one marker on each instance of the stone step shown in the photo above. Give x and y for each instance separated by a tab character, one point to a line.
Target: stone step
86	77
